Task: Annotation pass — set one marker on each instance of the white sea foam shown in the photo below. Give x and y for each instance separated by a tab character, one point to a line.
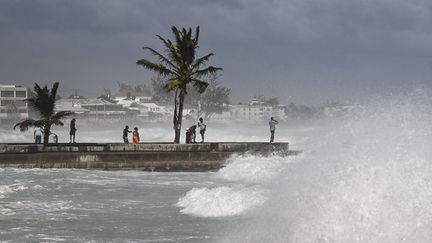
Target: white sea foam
253	168
6	211
37	187
365	178
221	201
10	189
250	172
37	208
5	189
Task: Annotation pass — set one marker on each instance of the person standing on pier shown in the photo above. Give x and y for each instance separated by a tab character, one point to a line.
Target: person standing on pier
272	124
191	134
37	135
135	136
125	134
202	127
72	131
192	131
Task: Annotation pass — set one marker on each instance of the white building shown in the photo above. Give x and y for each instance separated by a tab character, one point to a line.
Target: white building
224	116
133	96
73	105
256	113
151	111
92	108
13	104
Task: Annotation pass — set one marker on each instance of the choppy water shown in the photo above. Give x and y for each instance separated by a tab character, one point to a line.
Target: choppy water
97	206
363	177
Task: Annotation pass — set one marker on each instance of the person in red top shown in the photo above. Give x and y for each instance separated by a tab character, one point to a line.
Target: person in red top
135	136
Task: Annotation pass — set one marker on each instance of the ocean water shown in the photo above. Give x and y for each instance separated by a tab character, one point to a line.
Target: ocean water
365	176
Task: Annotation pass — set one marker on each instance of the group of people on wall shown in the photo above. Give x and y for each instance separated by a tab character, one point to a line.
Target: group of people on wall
38	133
190	132
135	135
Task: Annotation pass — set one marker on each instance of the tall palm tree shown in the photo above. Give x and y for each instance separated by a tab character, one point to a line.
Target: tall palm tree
44	103
180	67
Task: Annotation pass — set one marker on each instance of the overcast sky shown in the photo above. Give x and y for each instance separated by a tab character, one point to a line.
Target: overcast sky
305	51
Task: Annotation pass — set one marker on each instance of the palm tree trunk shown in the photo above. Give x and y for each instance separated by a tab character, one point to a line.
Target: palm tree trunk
175	109
178	119
47	131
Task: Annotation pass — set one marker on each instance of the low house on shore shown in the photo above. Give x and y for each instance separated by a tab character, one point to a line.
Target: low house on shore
143	96
92	108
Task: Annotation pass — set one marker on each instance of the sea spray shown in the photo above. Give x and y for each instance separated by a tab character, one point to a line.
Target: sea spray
366	177
249	172
221	201
252	168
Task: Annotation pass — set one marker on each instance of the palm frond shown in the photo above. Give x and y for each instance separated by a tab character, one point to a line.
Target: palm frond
202	61
200	85
161	57
62	114
177	35
54	90
171	50
37	88
206	71
44	100
197	31
56	121
26	124
167	43
172	84
32	102
155	67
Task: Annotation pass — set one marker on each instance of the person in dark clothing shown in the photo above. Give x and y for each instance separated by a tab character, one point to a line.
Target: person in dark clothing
72	131
192	131
272	124
125	134
188	138
191	134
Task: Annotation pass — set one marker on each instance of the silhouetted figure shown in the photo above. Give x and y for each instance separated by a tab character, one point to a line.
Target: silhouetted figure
125	134
191	134
37	135
202	127
135	136
272	124
188	138
192	131
72	131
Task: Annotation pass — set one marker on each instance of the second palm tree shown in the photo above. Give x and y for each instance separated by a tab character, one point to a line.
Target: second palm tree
180	67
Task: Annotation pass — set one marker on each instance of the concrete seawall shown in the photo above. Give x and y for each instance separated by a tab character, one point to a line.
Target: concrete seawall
144	156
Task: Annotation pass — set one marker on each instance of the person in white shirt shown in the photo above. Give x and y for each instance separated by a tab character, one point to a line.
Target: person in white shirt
37	135
272	124
202	126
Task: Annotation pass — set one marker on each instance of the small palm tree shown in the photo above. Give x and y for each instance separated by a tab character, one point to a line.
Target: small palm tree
44	103
179	68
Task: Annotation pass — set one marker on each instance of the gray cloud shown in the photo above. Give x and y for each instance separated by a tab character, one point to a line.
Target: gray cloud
300	50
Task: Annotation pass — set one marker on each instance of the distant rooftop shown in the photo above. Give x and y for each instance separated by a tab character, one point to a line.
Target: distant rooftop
10	86
133	94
